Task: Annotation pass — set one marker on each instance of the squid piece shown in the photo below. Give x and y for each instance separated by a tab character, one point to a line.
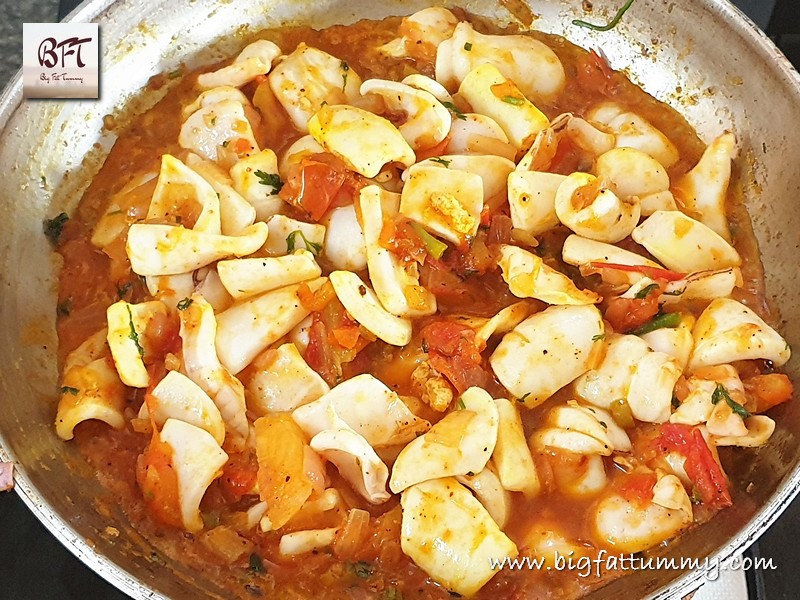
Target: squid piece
529	62
199	334
532	200
704	405
448	533
251	325
728	331
490	93
676	342
528	277
589	207
236	213
489	491
178	397
503	322
434	88
462	442
245	277
256	178
670	493
282	381
547	351
493	170
579	251
169	250
299	335
171	289
218	125
303	542
545	145
309	79
256	59
589	137
363	140
581	430
631	370
427	121
213	96
683	244
634	131
445	201
285	231
345	246
396	283
126	205
580	475
636	174
703	190
544	539
512	456
356	461
703	285
363	305
632	526
472	133
90	390
759	429
127	324
197	460
366	406
421	33
210	287
294	154
179	191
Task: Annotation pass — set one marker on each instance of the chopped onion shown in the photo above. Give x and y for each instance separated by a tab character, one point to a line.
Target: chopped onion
353	535
225	543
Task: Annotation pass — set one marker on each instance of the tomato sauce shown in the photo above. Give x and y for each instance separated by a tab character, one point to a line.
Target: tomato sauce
91	280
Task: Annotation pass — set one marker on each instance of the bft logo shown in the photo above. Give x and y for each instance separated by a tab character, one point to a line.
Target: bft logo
60	60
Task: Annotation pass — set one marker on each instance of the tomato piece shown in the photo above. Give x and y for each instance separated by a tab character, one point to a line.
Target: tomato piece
346	336
626	314
238	476
316	301
769	390
399	237
637	486
651	272
319	182
452	351
159	482
163	334
319	353
704	472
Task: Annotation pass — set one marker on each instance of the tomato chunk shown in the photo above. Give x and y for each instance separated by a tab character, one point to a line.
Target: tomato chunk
626	314
769	390
158	481
452	352
319	182
705	473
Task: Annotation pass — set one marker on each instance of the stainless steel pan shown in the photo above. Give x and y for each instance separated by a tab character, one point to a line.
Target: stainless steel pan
729	75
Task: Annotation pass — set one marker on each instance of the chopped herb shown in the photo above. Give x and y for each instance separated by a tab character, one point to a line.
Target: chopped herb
525	395
122	290
291	243
433	246
468	46
662	321
256	564
65	389
513	100
271	179
441	161
184	304
391	593
461	405
225	143
54	227
675	402
345	69
599	336
608	26
65	307
133	335
455	110
361	569
645	291
720	393
175	74
674	292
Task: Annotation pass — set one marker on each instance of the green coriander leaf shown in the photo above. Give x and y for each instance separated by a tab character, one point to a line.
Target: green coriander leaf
345	69
271	179
720	393
361	569
184	304
525	395
645	291
455	110
461	405
291	243
608	26
54	227
468	46
133	335
599	336
513	100
442	161
662	321
65	389
175	74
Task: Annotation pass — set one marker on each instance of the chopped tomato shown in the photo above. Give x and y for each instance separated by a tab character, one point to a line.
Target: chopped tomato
499	230
637	486
163	334
316	301
319	182
452	351
399	237
239	476
704	472
651	272
319	353
436	150
626	314
241	147
159	482
346	336
769	390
